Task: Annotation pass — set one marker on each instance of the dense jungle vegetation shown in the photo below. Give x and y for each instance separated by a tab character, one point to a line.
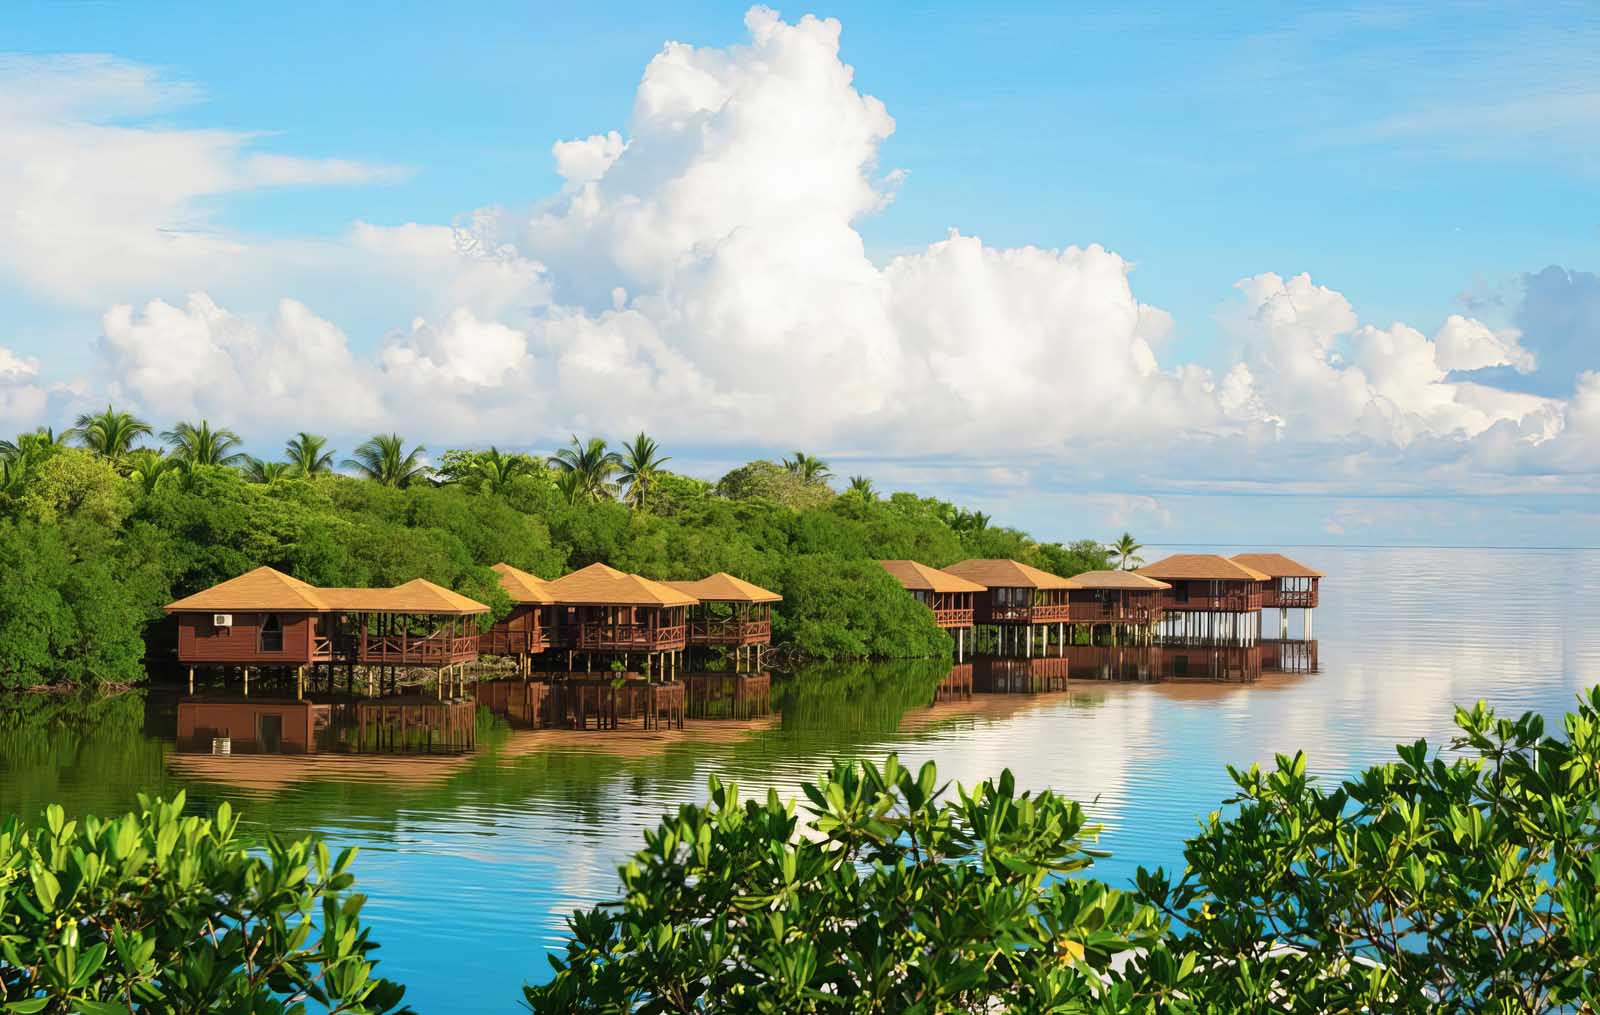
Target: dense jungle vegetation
104	523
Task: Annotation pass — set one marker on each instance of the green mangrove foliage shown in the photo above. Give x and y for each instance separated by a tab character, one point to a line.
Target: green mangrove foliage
94	539
159	911
893	897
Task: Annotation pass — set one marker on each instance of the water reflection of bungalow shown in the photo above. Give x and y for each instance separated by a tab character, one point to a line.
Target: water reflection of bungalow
602	611
525	631
1157	663
1212	598
1120	600
1291	586
265	618
1019	601
729	613
1011	675
252	725
949	596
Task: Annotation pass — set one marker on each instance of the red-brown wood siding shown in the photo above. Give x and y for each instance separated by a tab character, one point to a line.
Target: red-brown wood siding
199	642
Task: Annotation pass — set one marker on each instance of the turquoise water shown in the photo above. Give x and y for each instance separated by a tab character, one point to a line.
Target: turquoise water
472	863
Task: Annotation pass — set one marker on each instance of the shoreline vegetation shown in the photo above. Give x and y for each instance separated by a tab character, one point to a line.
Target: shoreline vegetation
1445	881
102	524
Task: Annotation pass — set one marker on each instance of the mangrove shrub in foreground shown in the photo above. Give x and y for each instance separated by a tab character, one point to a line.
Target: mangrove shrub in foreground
156	911
1432	884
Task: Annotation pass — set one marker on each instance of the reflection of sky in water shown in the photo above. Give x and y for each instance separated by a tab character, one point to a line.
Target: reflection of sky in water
472	864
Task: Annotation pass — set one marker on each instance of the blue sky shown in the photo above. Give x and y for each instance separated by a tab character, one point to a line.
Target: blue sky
1416	161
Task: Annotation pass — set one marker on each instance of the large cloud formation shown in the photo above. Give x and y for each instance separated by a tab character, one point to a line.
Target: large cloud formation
701	273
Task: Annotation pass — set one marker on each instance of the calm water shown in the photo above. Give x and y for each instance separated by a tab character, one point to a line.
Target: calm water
471	864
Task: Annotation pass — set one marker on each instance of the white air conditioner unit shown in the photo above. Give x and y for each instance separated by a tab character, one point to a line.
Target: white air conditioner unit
222	620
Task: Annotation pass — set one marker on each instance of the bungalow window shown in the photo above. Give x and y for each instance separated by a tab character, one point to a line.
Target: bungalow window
271	633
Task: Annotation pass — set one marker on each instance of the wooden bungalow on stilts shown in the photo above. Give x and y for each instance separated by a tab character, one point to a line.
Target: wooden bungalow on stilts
1022	603
525	631
265	618
602	612
1213	600
1291	586
949	596
730	613
1123	602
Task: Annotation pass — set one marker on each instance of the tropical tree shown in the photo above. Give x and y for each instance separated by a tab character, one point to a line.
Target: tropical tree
969	521
198	444
640	466
147	467
383	458
1125	552
496	472
32	445
862	487
808	467
258	471
592	465
308	454
110	434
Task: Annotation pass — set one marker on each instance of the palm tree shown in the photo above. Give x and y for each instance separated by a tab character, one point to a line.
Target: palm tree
570	486
863	488
31	444
970	521
497	472
148	467
807	467
1124	552
257	471
197	444
384	459
593	466
641	463
308	454
110	434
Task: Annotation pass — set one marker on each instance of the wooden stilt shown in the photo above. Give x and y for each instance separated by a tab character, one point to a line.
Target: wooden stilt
299	682
191	680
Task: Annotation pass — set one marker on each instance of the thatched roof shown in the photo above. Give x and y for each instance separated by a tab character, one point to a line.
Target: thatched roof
1009	574
1276	565
260	591
918	577
1117	580
523	587
265	590
599	585
1201	567
723	587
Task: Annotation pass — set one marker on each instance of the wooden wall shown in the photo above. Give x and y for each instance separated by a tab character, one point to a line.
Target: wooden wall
199	642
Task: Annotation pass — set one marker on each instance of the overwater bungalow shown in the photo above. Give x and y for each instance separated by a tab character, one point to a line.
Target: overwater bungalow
1018	600
949	596
1212	598
526	630
1120	600
729	613
265	618
603	611
1291	585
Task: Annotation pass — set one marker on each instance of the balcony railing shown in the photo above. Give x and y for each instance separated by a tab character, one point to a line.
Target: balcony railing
626	637
436	650
499	642
1228	602
730	631
1291	599
1042	613
1115	613
953	618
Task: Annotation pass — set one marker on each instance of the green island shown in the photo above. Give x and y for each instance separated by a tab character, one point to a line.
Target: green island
102	524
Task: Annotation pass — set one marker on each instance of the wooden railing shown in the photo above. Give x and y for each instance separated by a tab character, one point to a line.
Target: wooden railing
1041	613
436	649
1290	599
953	618
729	631
498	641
1227	602
1115	613
630	636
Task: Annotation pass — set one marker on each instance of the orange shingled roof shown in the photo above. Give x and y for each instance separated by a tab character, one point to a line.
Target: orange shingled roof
1008	574
723	587
599	585
1276	565
1201	567
918	577
1128	580
263	589
521	586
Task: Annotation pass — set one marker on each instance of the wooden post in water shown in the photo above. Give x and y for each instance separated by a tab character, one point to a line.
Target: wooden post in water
299	682
191	680
247	681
